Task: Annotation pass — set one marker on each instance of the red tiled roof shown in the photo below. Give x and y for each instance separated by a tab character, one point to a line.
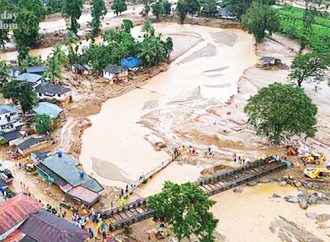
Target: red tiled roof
15	210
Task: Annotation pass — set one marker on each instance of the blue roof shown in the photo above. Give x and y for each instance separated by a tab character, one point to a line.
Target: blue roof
65	167
131	62
29	77
47	108
8	108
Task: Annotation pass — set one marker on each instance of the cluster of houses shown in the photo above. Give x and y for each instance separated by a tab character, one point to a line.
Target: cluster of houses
24	219
114	73
12	129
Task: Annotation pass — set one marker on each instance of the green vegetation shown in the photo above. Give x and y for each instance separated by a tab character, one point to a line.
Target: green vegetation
54	6
4	73
309	67
186	209
72	9
259	19
119	6
282	110
43	123
182	10
4	6
21	92
119	43
27	32
98	12
34	6
292	25
158	9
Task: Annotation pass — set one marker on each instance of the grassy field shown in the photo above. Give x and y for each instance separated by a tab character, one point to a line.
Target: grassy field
292	26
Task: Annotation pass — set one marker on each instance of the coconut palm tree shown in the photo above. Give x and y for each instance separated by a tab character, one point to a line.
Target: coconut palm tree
54	71
59	54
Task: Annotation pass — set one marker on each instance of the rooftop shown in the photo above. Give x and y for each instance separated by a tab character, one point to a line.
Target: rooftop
65	168
45	227
16	210
36	69
31	141
7	108
114	69
50	89
84	194
52	110
12	135
29	77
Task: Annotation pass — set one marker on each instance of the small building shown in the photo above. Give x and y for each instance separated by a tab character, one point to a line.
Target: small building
61	170
33	79
34	143
50	109
268	61
78	69
226	13
12	137
15	71
24	219
38	70
115	73
39	156
8	116
54	92
14	212
131	63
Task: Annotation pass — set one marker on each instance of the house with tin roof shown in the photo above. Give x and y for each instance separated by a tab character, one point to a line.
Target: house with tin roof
54	92
115	73
38	70
50	109
33	79
23	219
61	170
34	143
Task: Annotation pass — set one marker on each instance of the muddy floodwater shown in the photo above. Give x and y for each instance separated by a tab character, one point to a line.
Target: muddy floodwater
209	62
254	215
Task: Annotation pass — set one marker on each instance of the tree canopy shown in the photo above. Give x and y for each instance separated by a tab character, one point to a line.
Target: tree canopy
27	32
98	12
43	123
186	209
72	9
4	6
4	73
280	111
260	20
21	92
34	6
119	6
309	67
182	10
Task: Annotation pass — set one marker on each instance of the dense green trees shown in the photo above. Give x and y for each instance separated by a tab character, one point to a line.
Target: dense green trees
53	6
119	6
193	6
119	43
4	6
98	12
34	6
182	10
158	9
43	123
282	110
260	20
27	32
72	10
21	92
186	209
209	7
309	67
237	7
